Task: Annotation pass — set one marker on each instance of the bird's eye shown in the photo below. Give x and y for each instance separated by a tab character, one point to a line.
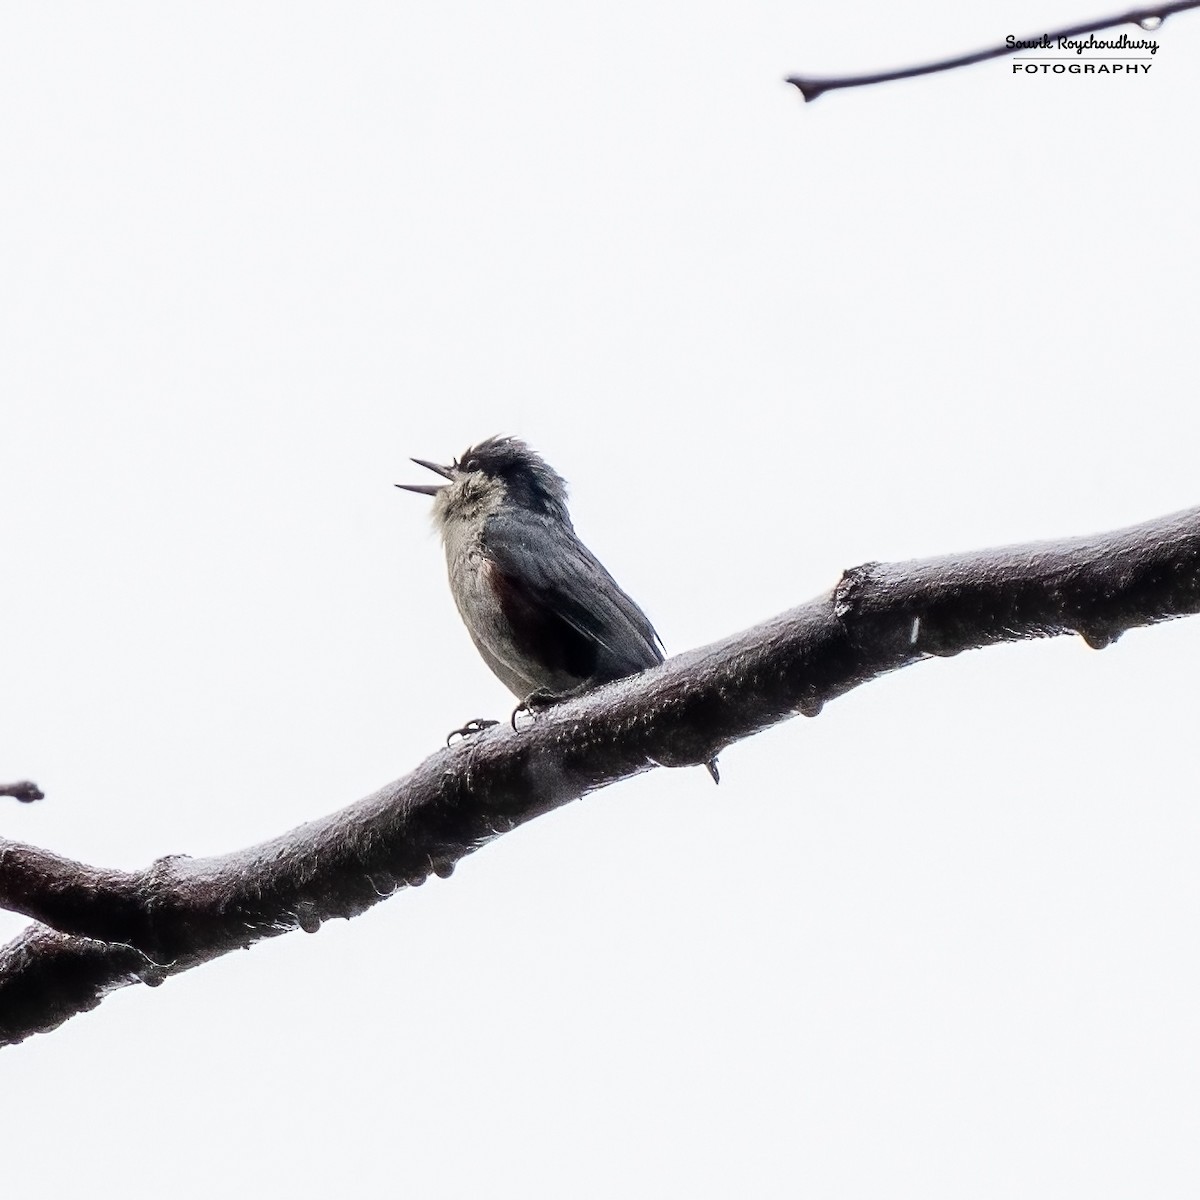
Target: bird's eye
471	464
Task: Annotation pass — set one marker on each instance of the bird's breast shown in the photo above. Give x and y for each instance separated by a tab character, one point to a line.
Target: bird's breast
473	584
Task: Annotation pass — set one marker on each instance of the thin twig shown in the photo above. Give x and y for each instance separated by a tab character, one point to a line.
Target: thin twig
1147	18
24	791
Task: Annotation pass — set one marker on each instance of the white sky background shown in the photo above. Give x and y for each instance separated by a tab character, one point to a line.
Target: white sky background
940	942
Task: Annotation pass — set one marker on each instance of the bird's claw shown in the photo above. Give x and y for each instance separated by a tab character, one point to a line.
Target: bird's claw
478	725
535	702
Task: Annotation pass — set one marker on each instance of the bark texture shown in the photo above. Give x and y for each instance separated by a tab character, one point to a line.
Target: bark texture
98	930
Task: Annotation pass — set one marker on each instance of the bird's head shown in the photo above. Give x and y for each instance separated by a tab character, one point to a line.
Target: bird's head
498	472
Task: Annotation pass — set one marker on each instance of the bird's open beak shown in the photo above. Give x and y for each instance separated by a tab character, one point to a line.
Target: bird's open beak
428	489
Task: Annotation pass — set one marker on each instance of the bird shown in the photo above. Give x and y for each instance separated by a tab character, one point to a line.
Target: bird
543	612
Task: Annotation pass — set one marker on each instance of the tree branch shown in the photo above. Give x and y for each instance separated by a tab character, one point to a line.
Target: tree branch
1147	18
104	929
24	791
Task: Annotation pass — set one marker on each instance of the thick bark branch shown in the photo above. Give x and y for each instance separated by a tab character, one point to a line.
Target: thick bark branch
1147	18
104	929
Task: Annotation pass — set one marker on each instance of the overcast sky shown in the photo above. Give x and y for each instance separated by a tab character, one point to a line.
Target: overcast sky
943	941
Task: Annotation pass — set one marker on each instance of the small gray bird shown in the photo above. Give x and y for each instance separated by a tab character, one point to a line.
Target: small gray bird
543	612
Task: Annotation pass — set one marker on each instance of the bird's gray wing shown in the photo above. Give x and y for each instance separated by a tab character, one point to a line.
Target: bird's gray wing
565	610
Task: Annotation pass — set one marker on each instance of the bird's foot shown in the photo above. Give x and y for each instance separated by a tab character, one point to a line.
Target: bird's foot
470	729
536	702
